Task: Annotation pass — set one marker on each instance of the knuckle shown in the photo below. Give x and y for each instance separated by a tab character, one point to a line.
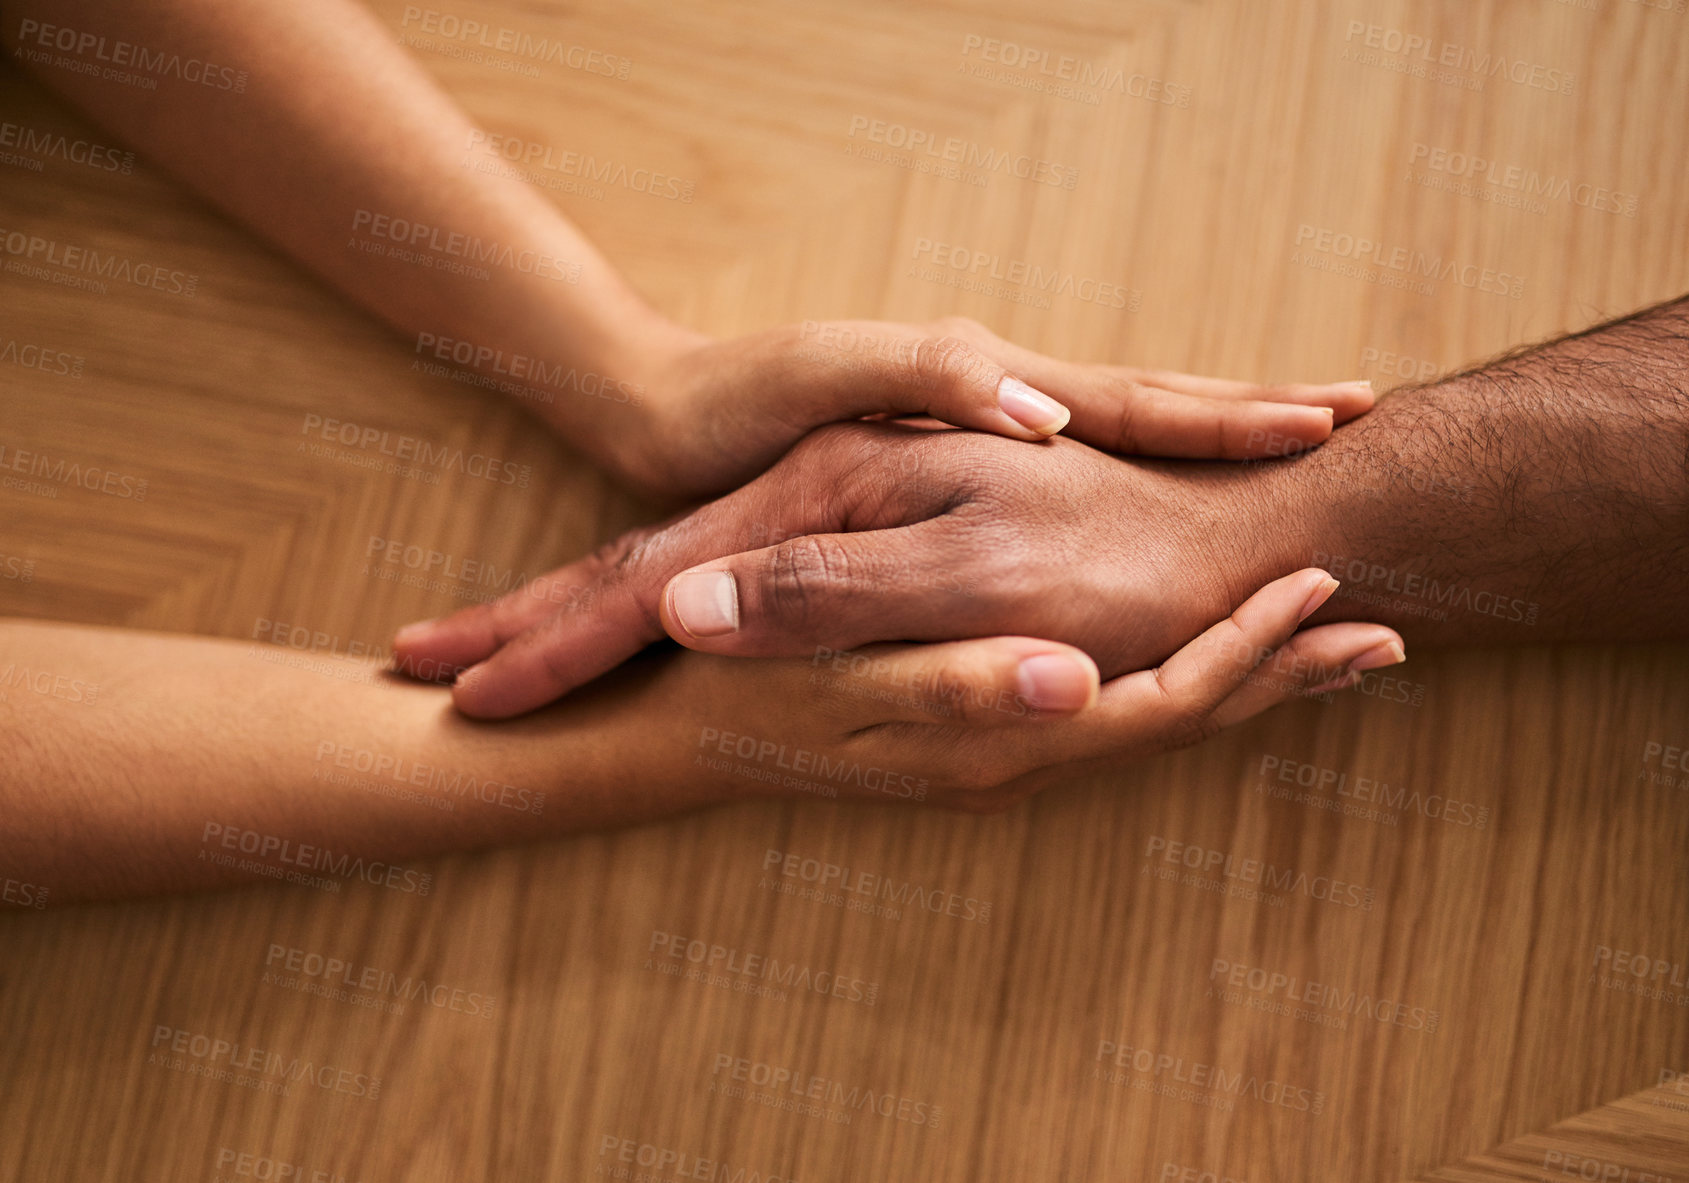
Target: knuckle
1184	723
835	446
1129	417
984	764
499	617
1190	727
800	572
944	363
620	555
616	568
960	689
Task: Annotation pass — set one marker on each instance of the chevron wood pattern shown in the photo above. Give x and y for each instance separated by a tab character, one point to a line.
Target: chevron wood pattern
1044	1006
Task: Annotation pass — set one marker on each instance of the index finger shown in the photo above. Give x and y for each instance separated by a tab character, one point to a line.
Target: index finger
616	613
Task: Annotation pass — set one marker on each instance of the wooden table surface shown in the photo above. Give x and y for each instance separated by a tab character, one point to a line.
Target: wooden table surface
1033	1001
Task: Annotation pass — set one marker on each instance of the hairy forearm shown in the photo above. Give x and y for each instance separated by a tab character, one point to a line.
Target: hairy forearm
1542	496
343	152
147	762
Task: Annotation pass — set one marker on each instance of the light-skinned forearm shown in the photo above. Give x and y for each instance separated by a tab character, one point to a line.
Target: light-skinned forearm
148	762
336	127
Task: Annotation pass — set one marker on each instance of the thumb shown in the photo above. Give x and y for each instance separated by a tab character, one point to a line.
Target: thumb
846	369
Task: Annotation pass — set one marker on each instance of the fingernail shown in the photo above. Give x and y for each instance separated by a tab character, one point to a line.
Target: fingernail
1389	653
1320	595
413	632
1056	682
705	603
1032	409
1356	384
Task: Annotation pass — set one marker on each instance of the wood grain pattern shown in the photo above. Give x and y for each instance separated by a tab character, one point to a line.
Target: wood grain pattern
1642	1138
1001	1031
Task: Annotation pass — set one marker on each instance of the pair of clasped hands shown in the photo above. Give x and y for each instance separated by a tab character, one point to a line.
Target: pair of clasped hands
973	598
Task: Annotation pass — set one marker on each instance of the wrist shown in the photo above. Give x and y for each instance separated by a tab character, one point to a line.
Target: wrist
648	360
611	395
1433	513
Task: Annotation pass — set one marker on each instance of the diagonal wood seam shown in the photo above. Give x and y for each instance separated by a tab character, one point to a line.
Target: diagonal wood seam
1641	1138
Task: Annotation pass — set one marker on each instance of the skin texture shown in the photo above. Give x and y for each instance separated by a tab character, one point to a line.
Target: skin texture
336	137
133	758
1543	496
914	535
1508	503
338	140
